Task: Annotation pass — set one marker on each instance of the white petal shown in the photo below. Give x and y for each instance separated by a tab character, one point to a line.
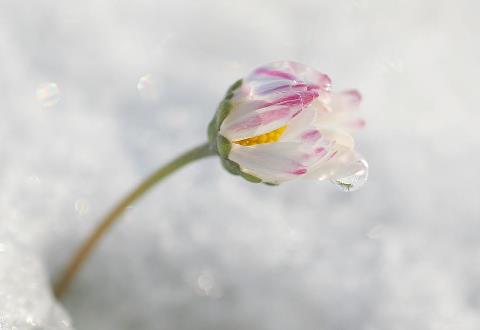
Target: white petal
274	162
299	124
338	137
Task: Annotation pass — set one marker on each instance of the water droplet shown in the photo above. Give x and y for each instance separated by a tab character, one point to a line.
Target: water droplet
147	87
33	179
376	232
48	94
205	283
66	323
31	321
82	207
356	180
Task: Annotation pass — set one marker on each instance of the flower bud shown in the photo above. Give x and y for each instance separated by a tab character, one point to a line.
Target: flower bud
282	123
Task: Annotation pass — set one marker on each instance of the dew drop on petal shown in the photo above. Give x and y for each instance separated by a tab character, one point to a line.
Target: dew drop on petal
356	180
48	94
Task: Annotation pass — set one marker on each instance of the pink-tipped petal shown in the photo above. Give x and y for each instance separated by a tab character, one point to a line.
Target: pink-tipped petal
271	73
345	101
352	96
311	75
291	71
282	88
357	123
267	116
297	99
259	119
299	171
320	151
311	135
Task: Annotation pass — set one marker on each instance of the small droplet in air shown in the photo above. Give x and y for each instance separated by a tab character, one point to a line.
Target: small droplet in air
356	180
82	207
48	94
205	283
31	321
33	179
375	232
147	87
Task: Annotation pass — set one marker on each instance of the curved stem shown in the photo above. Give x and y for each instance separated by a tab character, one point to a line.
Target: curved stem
87	247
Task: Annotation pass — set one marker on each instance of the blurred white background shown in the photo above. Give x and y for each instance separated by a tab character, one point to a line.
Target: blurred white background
96	94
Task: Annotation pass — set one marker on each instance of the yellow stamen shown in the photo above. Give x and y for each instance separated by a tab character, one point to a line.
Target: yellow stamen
269	137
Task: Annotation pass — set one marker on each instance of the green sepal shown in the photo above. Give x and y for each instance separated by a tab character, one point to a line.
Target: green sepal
250	178
271	184
233	88
223	111
223	146
212	132
229	96
231	167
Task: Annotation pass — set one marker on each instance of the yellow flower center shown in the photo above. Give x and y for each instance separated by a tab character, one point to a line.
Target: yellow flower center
269	137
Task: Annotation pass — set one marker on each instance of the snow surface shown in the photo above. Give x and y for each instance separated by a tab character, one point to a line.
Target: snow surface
96	94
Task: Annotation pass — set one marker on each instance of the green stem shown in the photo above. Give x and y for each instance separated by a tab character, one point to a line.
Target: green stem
106	223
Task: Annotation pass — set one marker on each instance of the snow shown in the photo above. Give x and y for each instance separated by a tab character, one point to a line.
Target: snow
26	301
97	94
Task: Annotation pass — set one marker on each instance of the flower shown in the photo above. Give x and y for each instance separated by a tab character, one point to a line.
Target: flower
282	123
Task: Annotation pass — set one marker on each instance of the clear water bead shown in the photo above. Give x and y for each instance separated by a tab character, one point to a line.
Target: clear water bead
356	180
48	94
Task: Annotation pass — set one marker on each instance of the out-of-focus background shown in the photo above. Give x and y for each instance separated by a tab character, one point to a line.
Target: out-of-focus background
96	94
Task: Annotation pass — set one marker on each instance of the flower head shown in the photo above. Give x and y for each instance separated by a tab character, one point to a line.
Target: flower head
282	123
